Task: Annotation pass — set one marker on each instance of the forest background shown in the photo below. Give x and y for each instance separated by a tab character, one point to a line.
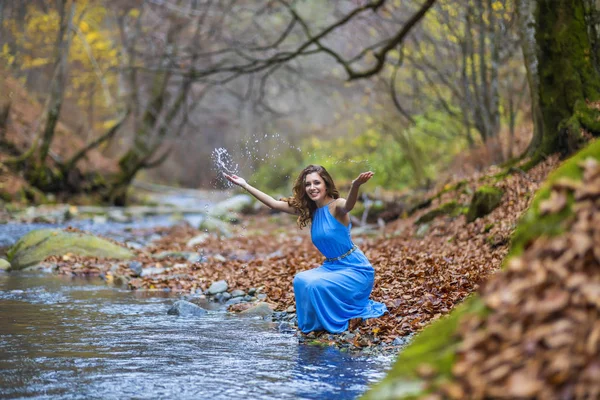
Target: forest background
414	91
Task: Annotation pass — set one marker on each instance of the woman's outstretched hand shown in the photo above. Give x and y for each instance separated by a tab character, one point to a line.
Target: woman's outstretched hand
236	180
362	178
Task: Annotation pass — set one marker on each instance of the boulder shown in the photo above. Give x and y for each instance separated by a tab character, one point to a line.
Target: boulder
233	204
35	246
485	200
186	309
4	265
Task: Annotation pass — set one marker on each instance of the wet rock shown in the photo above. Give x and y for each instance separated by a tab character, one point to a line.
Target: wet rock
260	309
219	258
187	255
217	226
118	216
134	245
252	291
196	240
261	296
136	268
225	296
235	300
249	298
4	265
218	287
186	309
285	327
152	271
237	203
237	293
34	247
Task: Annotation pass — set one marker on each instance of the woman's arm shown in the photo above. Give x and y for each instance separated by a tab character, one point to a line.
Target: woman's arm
260	196
345	207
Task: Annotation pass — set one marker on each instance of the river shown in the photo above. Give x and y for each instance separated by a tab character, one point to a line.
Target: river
65	338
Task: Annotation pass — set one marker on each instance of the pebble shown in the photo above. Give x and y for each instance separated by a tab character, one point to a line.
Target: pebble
218	287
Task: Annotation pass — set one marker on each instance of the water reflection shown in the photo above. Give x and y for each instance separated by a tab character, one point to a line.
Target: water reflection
70	339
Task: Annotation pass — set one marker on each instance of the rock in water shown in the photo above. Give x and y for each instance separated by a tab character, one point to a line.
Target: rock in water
34	247
260	309
186	309
4	265
217	287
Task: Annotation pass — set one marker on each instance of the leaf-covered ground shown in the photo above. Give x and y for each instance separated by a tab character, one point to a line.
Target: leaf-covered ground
422	272
541	336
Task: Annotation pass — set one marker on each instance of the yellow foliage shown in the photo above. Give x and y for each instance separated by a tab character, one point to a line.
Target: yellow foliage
134	13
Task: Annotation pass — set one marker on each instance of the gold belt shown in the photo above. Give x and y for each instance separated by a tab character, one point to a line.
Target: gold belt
346	254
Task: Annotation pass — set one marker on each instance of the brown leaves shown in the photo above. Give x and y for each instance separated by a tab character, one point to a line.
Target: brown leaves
542	336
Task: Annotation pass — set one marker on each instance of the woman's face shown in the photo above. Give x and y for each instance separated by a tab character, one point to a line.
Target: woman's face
315	187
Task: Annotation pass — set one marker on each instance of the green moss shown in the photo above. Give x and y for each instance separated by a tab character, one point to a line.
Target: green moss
37	245
450	208
435	345
484	201
532	224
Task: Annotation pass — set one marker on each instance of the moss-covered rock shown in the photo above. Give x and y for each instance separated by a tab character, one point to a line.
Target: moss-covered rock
37	245
4	265
451	208
435	346
485	200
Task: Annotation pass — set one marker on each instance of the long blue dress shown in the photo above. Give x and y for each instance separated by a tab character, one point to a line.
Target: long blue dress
329	296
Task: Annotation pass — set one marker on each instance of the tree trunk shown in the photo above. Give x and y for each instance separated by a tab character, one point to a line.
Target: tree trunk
526	21
57	87
567	77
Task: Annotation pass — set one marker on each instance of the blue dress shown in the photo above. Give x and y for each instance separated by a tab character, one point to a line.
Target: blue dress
329	296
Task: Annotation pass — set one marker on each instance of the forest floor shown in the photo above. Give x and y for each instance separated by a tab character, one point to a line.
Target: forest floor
422	270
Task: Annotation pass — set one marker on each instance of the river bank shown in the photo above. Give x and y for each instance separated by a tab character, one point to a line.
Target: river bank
423	269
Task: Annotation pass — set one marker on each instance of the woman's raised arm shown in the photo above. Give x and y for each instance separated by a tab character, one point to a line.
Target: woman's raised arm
260	196
347	206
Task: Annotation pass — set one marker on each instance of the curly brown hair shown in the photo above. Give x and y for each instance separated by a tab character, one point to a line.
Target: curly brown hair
300	200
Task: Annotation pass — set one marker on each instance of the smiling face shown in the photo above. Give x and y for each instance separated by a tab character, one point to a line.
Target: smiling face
315	187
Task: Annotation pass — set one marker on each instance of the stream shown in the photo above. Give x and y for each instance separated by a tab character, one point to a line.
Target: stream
67	338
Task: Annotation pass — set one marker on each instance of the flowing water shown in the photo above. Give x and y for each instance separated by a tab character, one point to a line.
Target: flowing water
79	339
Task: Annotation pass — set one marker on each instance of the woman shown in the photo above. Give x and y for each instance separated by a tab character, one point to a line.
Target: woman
330	296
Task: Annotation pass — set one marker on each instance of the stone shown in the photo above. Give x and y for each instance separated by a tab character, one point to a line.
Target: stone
260	309
35	246
237	293
225	296
184	308
136	268
252	291
237	203
196	240
261	296
218	287
215	225
152	271
484	201
235	300
4	265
